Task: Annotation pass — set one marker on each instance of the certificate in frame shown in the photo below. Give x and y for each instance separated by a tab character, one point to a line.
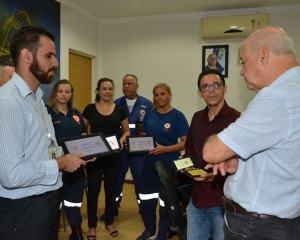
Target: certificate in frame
140	143
195	173
91	145
181	164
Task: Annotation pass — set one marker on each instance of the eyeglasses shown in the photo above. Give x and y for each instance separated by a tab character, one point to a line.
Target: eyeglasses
214	85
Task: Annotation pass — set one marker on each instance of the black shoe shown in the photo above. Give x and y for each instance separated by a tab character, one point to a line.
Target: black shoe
76	233
102	217
146	235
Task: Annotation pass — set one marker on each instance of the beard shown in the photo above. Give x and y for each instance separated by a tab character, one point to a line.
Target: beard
40	74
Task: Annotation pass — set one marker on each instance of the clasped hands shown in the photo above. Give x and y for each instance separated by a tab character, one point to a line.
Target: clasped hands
228	166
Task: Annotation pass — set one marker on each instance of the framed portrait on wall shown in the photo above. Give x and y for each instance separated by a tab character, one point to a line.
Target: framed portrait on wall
216	56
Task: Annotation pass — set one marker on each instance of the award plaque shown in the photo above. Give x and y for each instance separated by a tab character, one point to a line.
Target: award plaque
195	172
114	142
91	145
140	143
188	162
183	163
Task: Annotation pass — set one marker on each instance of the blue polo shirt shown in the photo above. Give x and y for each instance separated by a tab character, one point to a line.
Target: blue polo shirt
70	125
166	128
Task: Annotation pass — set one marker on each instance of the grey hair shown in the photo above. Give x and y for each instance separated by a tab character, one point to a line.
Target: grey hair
131	75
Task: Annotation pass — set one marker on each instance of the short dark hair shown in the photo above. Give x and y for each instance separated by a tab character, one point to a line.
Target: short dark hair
211	71
27	37
6	60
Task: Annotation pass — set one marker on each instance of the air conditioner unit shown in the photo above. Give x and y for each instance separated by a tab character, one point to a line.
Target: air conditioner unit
236	26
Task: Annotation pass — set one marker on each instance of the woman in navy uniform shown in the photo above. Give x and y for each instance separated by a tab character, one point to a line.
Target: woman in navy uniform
68	122
168	125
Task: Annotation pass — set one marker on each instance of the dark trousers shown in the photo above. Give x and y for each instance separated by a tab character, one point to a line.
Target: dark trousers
74	184
242	227
31	218
136	163
150	184
109	167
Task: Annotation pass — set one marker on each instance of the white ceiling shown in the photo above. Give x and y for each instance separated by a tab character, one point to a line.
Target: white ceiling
105	9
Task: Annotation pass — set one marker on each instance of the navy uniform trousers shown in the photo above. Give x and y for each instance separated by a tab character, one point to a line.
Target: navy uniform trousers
135	162
73	189
149	192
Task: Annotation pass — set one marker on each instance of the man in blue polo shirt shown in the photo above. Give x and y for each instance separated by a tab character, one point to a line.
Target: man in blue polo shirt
135	107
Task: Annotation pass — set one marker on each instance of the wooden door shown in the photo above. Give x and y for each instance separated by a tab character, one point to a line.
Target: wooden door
80	75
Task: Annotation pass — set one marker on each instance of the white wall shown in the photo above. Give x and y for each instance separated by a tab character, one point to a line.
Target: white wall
169	49
81	35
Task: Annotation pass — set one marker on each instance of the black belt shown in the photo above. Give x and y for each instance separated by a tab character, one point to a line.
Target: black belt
45	193
233	207
33	196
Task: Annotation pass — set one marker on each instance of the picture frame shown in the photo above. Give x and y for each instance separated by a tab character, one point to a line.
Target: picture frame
239	62
222	52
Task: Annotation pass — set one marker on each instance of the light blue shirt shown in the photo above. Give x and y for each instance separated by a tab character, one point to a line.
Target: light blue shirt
267	138
26	168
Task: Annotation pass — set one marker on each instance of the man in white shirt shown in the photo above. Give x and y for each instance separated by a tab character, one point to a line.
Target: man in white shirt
261	198
30	178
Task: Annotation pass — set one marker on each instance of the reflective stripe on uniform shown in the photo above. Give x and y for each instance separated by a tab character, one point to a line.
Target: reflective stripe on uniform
148	196
130	126
71	204
117	198
161	203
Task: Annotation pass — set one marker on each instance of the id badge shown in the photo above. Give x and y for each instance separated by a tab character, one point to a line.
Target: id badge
52	149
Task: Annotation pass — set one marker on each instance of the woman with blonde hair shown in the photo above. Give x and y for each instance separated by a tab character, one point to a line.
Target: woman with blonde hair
68	122
168	125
